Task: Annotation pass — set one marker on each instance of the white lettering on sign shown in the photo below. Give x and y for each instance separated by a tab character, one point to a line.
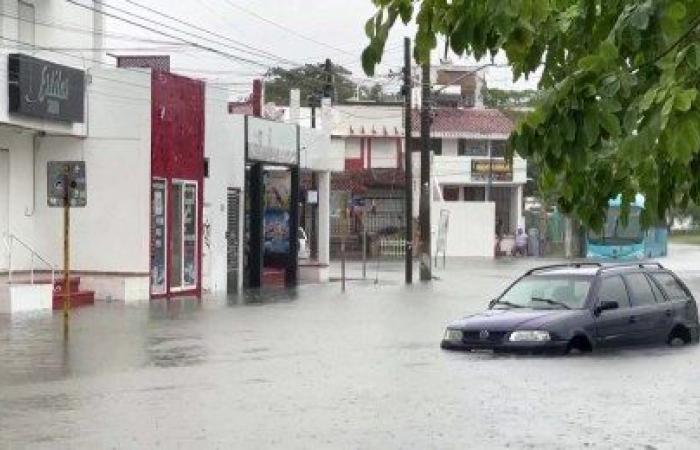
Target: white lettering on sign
53	85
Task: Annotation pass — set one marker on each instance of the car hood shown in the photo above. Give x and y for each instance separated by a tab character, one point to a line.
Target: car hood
512	319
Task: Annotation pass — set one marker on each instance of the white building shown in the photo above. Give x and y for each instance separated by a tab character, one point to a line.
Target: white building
469	169
66	106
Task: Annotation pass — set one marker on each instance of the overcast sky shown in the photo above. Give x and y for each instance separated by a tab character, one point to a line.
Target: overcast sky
299	31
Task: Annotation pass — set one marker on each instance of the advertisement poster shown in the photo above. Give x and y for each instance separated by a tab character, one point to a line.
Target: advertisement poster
158	237
190	235
276	219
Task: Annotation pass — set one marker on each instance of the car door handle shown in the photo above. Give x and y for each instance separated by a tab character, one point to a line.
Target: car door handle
668	312
633	319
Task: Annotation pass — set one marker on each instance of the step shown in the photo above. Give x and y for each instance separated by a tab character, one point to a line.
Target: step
273	277
77	299
59	284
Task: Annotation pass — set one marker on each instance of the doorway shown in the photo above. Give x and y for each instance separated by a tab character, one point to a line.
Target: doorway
233	238
183	236
4	206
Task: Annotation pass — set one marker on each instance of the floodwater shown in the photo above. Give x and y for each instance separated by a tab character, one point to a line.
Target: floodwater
317	368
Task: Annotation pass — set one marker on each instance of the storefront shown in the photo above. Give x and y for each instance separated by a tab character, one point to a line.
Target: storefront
177	169
272	202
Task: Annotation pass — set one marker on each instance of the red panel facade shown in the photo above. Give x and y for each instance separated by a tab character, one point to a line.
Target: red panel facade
177	144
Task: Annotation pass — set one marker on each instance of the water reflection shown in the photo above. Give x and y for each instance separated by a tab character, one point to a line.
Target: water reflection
263	296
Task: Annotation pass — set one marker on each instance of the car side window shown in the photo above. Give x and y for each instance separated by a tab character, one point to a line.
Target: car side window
673	290
660	298
613	289
640	289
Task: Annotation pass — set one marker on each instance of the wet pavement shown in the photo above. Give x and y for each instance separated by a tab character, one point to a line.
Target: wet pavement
317	368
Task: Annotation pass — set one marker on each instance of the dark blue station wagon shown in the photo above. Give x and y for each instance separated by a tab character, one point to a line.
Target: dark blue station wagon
580	308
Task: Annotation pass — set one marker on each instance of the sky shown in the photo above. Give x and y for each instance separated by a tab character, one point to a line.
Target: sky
288	31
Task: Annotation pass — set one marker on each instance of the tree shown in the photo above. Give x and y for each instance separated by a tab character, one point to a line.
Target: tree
619	111
500	98
374	92
310	79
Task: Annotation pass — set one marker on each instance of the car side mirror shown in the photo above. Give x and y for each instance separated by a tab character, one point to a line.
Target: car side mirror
492	302
606	305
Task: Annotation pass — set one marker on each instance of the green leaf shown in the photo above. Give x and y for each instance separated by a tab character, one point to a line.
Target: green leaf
693	56
639	19
676	11
611	124
631	118
590	63
406	11
610	86
647	100
591	127
684	99
668	106
608	51
369	28
369	60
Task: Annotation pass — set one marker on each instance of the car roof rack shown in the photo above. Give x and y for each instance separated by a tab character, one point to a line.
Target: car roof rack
640	265
576	265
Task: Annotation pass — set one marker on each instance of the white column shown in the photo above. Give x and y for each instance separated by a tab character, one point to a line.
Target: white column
97	30
520	222
324	218
294	105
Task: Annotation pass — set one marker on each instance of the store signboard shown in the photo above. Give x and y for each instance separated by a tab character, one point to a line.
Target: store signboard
497	169
272	142
44	90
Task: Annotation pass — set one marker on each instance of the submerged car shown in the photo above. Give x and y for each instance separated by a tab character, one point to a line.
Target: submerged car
580	308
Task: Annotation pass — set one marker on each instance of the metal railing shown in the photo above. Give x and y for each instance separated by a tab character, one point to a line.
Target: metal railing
10	240
392	248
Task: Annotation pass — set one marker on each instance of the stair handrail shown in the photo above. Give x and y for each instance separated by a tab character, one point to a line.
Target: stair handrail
9	239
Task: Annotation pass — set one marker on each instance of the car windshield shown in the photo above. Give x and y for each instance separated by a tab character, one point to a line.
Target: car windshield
546	292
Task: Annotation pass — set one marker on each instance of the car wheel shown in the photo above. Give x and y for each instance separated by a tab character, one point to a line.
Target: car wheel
578	346
679	337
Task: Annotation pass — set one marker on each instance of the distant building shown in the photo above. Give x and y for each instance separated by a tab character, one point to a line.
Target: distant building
468	144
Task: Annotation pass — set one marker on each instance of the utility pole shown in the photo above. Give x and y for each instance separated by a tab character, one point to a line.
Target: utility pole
425	257
66	256
408	158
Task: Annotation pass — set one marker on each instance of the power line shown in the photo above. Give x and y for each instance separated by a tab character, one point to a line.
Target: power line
218	35
289	30
96	61
254	52
213	50
71	27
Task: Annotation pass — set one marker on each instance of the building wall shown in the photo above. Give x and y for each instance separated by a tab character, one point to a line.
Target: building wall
384	153
450	147
69	36
111	233
471	229
223	145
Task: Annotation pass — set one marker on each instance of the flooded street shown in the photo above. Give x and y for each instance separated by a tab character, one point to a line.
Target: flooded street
317	368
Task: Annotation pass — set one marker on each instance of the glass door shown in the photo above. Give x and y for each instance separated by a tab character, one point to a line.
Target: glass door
4	205
184	268
176	238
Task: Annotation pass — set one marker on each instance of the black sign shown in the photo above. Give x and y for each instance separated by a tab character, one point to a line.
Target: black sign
66	180
45	90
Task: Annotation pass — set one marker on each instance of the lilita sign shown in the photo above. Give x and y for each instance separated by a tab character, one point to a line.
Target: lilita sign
495	169
42	89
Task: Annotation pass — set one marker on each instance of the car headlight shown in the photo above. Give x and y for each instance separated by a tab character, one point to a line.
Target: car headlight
453	335
529	336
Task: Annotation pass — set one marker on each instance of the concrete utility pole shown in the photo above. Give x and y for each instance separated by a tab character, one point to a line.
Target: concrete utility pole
408	158
425	257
